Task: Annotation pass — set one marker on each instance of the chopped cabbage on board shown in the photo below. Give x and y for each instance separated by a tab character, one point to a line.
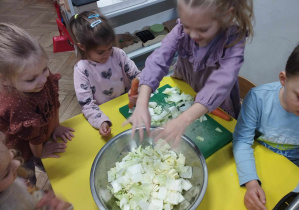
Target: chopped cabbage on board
150	178
182	102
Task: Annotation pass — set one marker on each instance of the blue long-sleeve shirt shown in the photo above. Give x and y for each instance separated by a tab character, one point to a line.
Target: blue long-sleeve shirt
261	111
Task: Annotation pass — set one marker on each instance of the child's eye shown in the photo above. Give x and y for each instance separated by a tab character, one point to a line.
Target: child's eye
186	27
202	30
46	69
30	80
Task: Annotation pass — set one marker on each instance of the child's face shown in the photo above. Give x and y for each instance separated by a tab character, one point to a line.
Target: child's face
33	80
8	169
199	23
289	94
100	54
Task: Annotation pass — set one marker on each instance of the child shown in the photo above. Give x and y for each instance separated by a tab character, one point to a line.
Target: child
209	38
14	191
28	98
104	73
272	110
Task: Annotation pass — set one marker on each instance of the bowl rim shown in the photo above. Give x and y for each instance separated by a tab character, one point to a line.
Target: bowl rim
111	141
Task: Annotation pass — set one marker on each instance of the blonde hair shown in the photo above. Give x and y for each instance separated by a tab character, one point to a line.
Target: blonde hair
18	52
21	171
90	37
242	14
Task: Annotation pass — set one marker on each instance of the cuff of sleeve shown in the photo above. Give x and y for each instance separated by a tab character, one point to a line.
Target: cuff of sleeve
243	180
98	124
204	103
296	189
152	84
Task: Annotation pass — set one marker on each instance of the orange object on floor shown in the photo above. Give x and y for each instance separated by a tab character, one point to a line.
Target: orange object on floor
63	42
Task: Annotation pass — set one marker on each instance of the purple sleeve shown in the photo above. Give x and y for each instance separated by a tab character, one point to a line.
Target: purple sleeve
86	99
157	64
221	81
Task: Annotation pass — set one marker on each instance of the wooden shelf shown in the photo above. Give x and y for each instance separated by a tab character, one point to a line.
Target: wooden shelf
143	50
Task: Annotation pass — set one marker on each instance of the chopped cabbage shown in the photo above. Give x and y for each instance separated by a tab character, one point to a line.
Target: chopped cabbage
150	178
200	138
179	102
218	129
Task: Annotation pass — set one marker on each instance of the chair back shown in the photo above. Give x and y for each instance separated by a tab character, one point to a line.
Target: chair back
245	85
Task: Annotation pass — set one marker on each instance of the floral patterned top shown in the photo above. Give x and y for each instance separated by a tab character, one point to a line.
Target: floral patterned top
29	117
96	83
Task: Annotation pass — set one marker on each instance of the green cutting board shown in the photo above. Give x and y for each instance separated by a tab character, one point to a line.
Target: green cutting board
213	140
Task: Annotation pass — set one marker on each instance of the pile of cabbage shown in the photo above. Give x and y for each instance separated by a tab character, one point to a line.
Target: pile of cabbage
150	178
180	102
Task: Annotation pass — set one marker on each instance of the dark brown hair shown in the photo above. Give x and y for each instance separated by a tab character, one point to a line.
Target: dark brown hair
91	37
292	66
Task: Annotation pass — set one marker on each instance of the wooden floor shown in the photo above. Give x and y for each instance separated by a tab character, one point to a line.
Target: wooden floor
38	17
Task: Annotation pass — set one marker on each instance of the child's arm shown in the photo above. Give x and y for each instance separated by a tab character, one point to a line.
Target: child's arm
243	139
48	149
131	71
84	94
141	116
221	81
128	66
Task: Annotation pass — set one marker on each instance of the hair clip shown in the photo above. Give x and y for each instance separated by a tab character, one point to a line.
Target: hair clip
76	15
93	16
94	23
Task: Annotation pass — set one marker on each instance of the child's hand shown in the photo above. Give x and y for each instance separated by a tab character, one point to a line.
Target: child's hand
255	198
105	129
173	131
139	118
49	148
132	99
63	132
50	201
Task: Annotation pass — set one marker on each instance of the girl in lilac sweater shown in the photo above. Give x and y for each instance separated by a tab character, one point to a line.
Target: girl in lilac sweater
105	72
209	39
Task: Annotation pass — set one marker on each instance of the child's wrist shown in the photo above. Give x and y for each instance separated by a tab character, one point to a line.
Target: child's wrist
252	183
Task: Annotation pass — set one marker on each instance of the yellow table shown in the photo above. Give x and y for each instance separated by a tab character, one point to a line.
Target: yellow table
69	174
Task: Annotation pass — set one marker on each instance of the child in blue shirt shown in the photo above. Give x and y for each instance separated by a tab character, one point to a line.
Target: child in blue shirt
273	111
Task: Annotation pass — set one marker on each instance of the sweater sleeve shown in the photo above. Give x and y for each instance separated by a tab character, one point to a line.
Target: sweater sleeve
243	138
129	66
220	82
86	99
157	64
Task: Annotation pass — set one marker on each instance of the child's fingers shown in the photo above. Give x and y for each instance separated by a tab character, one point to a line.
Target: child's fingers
54	138
109	131
262	196
125	123
71	134
63	138
68	136
54	156
70	129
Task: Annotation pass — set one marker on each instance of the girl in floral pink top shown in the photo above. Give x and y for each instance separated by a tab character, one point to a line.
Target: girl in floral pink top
105	72
29	102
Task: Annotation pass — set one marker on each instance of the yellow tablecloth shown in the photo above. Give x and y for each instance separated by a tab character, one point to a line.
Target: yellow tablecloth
69	174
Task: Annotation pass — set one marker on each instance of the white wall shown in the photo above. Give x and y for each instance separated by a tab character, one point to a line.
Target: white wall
276	35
